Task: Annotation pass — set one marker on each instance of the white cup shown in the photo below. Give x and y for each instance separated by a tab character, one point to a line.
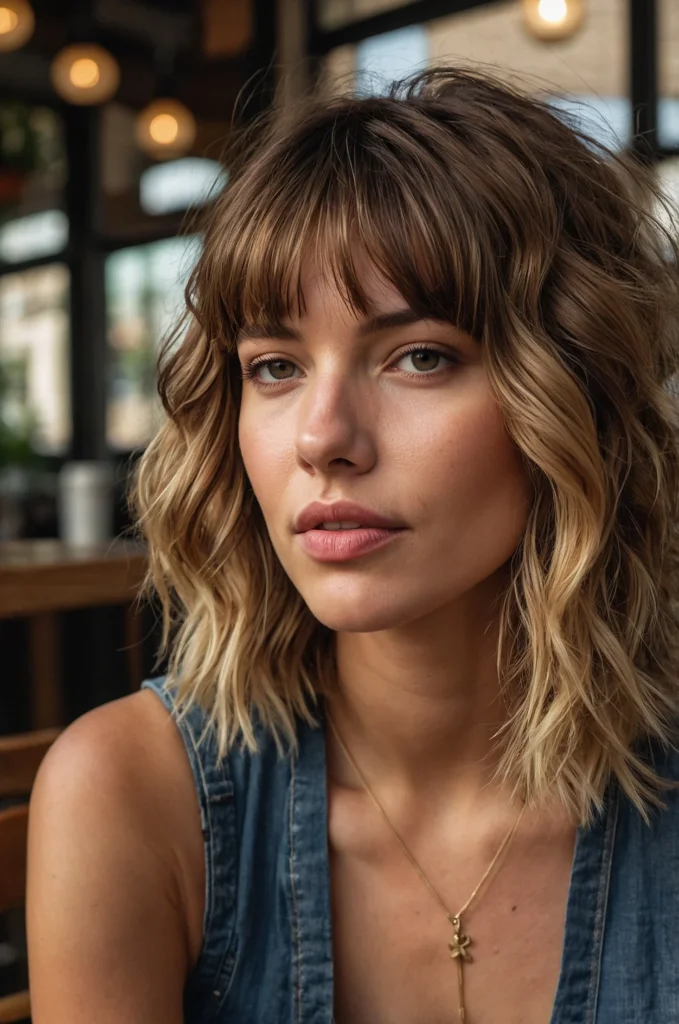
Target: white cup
85	502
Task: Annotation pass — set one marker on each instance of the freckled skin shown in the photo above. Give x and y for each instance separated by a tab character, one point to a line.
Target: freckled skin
433	453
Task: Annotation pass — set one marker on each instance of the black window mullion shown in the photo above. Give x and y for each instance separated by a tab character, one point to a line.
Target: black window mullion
86	263
643	56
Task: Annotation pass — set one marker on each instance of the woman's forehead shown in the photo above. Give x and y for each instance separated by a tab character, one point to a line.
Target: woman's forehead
323	292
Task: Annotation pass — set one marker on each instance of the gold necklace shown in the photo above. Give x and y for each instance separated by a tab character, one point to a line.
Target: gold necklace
459	947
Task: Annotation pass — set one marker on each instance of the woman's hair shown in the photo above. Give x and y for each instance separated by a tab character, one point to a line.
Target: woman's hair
483	207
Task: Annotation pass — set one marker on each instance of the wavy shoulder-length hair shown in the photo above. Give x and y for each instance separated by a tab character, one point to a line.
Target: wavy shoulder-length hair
486	209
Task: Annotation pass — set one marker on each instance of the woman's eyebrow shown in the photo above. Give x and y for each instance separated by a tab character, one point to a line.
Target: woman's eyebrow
384	321
268	329
371	325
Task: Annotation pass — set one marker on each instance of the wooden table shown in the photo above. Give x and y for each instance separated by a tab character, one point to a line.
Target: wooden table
39	578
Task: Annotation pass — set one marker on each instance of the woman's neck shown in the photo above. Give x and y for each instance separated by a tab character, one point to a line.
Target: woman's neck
421	704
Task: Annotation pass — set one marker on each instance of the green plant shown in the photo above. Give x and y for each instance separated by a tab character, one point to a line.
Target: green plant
19	142
18	423
19	152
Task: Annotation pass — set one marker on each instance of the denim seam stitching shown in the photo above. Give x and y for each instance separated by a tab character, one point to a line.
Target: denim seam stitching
600	912
210	887
296	930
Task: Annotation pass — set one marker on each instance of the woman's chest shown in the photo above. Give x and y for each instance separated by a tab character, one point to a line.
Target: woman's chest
391	942
293	934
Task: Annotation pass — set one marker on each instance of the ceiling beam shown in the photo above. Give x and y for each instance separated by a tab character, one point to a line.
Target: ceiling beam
156	28
414	13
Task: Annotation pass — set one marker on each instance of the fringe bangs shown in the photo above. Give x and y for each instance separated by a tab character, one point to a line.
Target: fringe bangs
355	186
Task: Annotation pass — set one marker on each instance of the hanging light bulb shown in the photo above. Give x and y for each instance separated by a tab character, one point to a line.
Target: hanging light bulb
17	22
85	74
165	129
552	20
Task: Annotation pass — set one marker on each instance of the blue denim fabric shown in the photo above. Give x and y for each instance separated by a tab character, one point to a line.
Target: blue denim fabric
267	952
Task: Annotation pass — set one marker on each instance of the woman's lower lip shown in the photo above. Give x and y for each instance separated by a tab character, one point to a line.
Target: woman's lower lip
340	545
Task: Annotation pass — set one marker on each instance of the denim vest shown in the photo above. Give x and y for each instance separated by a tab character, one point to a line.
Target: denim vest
267	942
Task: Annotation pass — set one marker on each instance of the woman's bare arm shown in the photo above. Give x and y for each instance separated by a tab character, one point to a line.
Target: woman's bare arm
108	935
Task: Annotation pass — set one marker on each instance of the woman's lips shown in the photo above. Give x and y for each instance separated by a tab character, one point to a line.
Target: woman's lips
342	545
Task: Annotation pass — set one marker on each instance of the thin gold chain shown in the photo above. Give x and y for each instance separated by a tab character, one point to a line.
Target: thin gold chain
460	943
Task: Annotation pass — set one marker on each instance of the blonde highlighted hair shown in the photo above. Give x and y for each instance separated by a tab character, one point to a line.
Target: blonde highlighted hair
483	208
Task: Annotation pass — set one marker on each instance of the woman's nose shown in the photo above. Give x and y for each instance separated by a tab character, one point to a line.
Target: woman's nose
334	428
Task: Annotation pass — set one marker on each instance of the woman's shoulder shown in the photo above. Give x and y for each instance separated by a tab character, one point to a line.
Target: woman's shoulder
115	825
127	750
122	768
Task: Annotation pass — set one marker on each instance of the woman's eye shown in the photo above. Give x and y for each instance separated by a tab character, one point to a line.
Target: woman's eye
272	370
424	360
419	361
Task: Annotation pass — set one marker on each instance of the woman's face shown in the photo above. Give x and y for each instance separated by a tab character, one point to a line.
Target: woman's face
344	412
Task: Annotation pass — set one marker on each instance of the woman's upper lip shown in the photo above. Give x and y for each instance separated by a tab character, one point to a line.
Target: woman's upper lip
342	511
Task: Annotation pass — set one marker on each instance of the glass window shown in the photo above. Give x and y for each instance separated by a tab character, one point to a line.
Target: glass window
34	360
587	74
144	298
179	184
668	111
38	234
607	119
381	59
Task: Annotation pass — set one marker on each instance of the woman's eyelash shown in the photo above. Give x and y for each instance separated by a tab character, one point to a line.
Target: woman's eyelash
249	370
448	354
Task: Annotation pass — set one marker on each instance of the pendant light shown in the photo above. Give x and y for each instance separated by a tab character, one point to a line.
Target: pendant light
17	22
85	74
553	20
165	128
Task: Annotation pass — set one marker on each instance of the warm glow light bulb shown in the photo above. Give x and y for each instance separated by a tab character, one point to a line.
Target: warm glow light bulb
8	20
165	129
553	20
17	22
85	74
553	11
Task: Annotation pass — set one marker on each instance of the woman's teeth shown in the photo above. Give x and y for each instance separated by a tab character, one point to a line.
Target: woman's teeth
340	526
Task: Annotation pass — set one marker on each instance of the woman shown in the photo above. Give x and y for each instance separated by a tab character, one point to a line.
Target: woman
412	518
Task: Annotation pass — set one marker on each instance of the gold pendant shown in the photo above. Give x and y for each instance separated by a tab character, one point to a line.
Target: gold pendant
459	950
459	947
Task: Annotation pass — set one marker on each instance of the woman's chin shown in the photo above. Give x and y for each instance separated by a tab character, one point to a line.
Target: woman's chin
360	613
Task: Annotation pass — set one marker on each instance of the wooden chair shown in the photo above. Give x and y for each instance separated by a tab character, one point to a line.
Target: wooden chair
20	757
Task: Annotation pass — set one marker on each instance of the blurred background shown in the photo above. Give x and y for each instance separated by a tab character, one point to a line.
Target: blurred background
113	120
113	117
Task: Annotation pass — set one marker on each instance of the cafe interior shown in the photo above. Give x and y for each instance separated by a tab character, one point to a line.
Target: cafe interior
114	119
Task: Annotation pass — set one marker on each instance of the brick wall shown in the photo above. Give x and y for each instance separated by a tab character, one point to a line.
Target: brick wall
593	61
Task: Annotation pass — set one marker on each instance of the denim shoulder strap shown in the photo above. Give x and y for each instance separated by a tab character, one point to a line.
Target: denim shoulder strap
267	953
207	986
640	963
